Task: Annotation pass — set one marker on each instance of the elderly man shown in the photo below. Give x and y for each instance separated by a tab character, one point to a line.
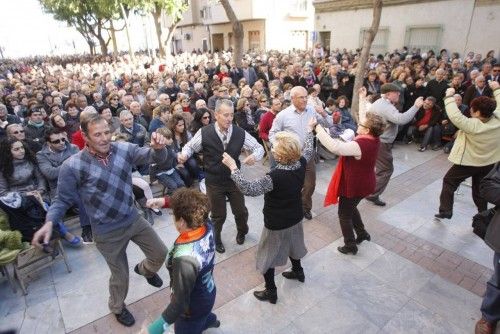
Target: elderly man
479	88
385	108
295	119
135	109
6	119
135	132
198	94
16	131
437	87
213	140
107	196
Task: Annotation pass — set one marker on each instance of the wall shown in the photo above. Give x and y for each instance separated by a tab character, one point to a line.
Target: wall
453	15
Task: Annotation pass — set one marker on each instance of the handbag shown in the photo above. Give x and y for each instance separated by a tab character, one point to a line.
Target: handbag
481	221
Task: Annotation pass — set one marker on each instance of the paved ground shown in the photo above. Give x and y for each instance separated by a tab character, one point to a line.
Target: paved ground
417	275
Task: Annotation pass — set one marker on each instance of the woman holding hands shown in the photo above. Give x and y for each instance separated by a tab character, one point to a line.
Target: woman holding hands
282	235
354	177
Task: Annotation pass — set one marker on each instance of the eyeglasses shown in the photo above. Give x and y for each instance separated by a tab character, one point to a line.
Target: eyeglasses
57	141
263	100
206	117
364	126
17	132
114	99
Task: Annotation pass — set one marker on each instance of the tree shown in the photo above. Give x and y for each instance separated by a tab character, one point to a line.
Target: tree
238	32
174	9
88	17
368	38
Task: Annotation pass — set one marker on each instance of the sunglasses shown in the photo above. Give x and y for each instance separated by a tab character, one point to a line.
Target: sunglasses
57	141
18	132
206	117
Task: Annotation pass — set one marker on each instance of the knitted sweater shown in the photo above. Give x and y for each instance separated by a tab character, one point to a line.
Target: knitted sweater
104	188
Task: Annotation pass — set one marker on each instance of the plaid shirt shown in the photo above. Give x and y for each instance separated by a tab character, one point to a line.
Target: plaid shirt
105	189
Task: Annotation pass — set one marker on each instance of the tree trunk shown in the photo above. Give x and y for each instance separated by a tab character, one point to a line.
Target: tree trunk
113	39
365	52
238	32
125	18
157	19
168	40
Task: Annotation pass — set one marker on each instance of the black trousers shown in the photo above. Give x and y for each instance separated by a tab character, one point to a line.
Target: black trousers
217	194
350	219
456	175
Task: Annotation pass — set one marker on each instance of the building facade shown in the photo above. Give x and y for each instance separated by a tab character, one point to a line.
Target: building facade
458	25
268	24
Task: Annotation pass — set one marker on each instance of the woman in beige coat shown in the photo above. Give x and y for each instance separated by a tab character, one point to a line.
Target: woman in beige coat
476	147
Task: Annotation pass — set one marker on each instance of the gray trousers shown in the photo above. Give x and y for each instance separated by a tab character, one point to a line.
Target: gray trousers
383	169
113	247
309	185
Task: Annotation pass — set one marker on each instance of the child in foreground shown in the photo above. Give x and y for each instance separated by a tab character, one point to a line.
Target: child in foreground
190	264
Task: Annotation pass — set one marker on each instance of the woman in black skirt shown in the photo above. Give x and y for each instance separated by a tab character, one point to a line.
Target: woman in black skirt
282	236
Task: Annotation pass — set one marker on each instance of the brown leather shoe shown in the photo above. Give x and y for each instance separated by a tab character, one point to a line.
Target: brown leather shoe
484	327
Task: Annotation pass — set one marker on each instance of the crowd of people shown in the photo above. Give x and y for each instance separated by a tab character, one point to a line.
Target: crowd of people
82	133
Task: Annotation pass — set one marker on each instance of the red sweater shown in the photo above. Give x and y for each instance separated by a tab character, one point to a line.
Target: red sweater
266	122
78	140
358	176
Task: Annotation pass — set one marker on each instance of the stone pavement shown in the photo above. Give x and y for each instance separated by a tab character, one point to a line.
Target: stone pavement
417	275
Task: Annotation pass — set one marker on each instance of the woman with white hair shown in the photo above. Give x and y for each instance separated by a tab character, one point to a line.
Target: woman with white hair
282	236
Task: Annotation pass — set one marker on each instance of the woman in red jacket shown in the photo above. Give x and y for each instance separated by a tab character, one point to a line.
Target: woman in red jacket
354	177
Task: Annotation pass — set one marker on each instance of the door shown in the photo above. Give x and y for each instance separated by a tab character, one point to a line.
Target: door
218	42
324	38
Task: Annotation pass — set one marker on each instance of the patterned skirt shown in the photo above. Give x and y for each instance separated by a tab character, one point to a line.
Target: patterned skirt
276	246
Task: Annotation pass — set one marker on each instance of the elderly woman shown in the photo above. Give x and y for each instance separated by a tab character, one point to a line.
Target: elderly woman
282	236
354	177
475	150
190	264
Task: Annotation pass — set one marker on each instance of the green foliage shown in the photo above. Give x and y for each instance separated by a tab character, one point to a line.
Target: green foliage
173	8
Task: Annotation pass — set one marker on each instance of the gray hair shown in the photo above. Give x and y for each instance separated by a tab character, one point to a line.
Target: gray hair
223	102
125	113
3	107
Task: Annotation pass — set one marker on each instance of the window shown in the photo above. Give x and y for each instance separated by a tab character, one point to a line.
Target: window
297	8
254	40
424	38
379	45
298	39
206	13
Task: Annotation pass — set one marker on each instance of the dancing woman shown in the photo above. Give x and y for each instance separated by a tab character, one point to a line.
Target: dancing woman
282	235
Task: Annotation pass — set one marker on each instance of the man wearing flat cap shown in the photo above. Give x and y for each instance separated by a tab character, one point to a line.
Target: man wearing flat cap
385	108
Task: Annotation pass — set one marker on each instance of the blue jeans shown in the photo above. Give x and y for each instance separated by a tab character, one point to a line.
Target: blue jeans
490	307
194	326
171	182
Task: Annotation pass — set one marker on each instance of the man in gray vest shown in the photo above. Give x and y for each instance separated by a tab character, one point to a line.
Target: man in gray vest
213	140
385	108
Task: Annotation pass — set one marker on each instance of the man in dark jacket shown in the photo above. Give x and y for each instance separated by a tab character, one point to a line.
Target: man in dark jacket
35	128
437	87
490	308
426	119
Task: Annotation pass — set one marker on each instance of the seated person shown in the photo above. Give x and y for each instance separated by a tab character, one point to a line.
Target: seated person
23	191
136	134
16	131
165	171
425	123
446	131
54	152
36	127
346	118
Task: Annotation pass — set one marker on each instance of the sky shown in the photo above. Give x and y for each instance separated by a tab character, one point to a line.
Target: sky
25	30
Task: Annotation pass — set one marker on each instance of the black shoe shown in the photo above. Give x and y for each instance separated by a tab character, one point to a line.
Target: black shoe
125	318
308	215
441	215
363	237
266	294
298	275
240	238
436	148
219	247
446	149
87	235
376	201
348	249
422	148
215	324
154	280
